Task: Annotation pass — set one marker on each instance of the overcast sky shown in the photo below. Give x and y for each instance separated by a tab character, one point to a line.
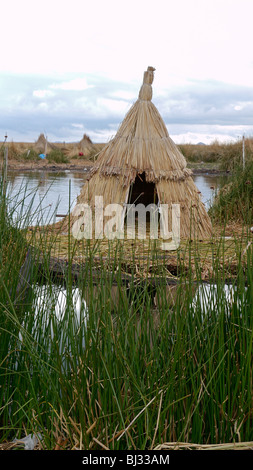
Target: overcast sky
74	67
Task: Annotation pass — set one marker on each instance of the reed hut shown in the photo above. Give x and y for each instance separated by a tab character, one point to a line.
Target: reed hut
42	145
85	144
142	164
82	148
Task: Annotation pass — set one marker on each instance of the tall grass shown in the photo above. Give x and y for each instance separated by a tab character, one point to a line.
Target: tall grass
57	156
234	201
225	156
129	375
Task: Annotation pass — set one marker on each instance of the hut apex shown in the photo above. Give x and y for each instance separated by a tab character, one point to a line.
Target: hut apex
142	164
146	89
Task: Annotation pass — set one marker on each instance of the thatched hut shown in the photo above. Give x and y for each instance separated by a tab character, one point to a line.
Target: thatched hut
85	144
82	148
42	145
142	163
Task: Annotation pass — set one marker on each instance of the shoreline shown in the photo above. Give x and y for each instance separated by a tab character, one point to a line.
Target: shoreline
84	166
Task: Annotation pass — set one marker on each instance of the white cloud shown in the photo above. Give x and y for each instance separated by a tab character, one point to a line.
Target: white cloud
194	134
77	84
102	135
42	93
124	95
115	107
77	126
43	106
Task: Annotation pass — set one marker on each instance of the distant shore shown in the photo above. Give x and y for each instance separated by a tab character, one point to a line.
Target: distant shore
210	159
86	168
82	165
43	165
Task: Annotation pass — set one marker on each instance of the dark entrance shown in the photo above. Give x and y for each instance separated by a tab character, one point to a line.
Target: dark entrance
142	192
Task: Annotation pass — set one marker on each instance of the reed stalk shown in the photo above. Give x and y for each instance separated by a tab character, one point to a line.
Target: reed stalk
141	367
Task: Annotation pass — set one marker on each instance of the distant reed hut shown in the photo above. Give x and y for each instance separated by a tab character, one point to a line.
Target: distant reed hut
42	145
83	148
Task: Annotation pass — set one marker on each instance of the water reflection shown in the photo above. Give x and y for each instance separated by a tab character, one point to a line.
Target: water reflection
48	193
208	185
56	312
44	193
209	299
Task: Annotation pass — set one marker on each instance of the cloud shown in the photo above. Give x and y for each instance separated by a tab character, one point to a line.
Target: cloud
42	93
207	134
209	103
193	109
124	95
77	84
77	126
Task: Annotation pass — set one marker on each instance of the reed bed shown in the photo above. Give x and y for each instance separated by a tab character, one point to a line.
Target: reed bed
145	258
152	367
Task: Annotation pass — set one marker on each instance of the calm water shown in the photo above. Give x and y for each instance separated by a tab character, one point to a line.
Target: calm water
50	193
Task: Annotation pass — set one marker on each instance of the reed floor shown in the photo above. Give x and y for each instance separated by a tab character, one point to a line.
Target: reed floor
223	254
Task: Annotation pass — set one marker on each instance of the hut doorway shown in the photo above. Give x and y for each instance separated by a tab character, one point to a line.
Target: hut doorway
142	192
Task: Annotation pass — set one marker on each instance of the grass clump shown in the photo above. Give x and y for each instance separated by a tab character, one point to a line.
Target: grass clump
234	200
29	155
57	156
201	153
13	151
225	156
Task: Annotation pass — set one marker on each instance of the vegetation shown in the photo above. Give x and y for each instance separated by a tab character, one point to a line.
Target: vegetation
29	155
57	156
226	156
221	156
129	373
57	153
234	201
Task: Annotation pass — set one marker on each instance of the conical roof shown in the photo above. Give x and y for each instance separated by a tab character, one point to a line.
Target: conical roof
142	143
42	145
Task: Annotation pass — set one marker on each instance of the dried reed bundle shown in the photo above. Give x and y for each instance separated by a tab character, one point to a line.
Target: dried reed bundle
85	146
42	145
189	446
143	145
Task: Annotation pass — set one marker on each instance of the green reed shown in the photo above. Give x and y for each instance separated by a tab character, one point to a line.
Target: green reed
148	364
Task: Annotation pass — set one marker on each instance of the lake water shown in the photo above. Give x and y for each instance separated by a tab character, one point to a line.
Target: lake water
48	193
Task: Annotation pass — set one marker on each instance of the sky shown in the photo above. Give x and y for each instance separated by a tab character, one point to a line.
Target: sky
69	68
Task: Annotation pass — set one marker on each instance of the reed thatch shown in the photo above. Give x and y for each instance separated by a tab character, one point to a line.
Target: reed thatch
85	146
42	145
142	146
86	141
